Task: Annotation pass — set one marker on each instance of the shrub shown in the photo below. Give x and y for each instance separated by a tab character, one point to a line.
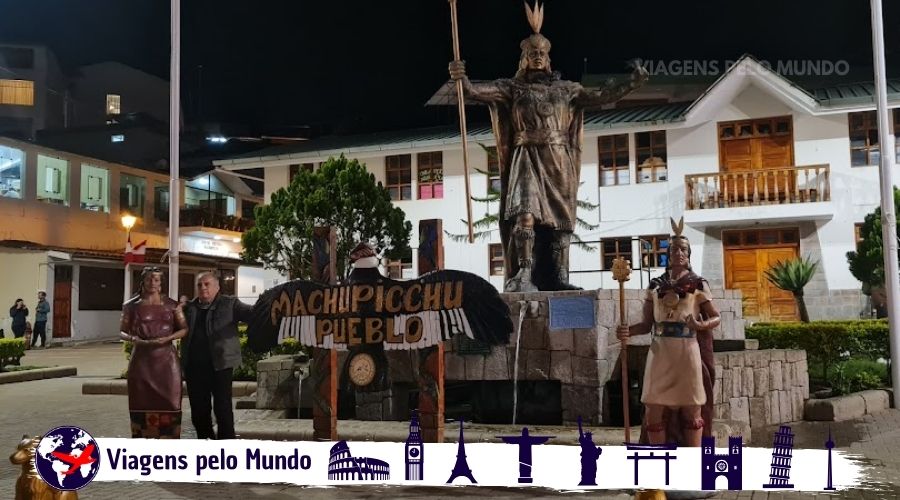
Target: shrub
858	375
825	342
11	352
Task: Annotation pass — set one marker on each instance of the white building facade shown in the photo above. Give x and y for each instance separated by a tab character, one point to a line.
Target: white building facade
761	170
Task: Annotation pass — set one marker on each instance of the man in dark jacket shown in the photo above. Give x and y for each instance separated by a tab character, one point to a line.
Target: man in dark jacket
209	354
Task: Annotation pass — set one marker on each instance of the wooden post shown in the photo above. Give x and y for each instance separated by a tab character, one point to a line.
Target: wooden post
431	359
622	272
324	361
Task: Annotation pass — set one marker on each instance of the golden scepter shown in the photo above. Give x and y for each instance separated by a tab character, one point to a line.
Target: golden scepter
462	119
621	271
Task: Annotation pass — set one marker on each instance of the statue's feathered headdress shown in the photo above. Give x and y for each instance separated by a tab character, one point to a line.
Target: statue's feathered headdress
535	16
536	20
677	227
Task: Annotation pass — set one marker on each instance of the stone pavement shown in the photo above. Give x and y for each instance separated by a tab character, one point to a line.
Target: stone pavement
36	406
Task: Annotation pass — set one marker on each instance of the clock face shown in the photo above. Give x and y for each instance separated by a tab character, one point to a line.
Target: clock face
721	466
362	369
414	452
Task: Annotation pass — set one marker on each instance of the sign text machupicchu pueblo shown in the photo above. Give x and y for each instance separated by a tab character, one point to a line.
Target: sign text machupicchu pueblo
407	316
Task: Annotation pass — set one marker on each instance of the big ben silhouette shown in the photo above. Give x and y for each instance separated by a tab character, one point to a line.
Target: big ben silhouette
414	450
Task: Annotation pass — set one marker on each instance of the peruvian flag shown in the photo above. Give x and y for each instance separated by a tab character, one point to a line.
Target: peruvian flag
135	253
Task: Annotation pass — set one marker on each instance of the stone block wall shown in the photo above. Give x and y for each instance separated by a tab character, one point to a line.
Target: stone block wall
276	386
761	387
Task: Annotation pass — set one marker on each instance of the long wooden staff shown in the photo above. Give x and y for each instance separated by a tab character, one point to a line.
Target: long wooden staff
621	271
462	120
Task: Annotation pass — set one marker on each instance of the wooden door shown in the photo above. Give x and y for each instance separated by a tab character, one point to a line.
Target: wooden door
748	254
62	301
750	145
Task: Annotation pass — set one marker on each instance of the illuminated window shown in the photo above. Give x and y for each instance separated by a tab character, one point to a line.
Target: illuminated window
113	104
94	188
19	92
117	138
12	169
431	175
398	174
613	155
495	253
52	180
131	195
650	149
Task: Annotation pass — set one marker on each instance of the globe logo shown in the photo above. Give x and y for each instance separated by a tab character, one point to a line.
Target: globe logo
67	458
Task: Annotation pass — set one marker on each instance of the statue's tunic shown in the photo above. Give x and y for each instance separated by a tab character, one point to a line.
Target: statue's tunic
673	376
544	150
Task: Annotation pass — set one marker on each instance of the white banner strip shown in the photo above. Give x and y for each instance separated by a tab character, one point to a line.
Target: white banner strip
492	464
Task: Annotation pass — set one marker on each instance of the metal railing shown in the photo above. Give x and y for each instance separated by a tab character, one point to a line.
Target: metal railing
204	217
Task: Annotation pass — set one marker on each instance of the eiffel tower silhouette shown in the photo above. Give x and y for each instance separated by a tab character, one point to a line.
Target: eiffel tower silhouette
461	469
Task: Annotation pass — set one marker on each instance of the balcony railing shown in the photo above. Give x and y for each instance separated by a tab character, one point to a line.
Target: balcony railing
204	217
768	186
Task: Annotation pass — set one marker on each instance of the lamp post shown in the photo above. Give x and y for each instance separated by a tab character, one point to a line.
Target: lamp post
128	222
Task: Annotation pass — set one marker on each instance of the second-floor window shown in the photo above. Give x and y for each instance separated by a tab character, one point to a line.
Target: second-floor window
12	170
294	169
495	256
113	104
864	149
94	188
53	180
161	201
132	191
431	175
18	92
613	156
398	176
650	152
654	251
611	248
493	164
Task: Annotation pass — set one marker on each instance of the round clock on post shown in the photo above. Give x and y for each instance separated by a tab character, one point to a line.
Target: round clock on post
362	369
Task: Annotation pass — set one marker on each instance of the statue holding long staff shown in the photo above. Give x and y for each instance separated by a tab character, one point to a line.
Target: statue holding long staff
538	120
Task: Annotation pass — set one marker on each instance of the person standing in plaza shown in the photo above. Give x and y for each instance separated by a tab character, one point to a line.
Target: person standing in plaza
209	355
41	310
18	312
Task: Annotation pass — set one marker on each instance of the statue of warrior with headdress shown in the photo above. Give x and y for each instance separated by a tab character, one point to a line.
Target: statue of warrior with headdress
680	371
538	120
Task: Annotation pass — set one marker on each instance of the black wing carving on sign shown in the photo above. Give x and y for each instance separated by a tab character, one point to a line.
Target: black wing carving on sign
409	314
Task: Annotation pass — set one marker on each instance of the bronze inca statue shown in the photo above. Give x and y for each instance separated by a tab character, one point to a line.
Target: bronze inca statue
538	120
29	485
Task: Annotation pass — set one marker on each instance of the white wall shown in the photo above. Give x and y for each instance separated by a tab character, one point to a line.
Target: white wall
253	281
91	325
22	274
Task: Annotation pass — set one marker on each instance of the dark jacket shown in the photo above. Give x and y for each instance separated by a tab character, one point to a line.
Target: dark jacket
18	316
221	329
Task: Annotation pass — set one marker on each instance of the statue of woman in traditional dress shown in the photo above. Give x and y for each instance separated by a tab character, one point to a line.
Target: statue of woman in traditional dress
151	321
679	374
538	120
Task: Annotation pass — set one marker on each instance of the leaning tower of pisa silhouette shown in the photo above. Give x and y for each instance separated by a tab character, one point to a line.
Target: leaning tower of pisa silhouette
782	448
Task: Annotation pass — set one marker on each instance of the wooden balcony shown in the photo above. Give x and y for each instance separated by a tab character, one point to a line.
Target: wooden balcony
769	186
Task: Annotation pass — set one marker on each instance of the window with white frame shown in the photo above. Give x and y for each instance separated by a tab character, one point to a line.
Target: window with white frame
52	180
12	171
94	188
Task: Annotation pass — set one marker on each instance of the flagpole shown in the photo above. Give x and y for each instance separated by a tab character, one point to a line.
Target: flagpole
174	150
888	217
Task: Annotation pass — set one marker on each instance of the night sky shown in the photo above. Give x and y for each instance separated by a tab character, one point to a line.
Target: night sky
357	66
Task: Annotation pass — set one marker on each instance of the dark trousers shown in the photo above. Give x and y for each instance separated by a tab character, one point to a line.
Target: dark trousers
18	331
40	329
202	386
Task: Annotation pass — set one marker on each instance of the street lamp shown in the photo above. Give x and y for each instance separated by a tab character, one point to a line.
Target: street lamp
128	222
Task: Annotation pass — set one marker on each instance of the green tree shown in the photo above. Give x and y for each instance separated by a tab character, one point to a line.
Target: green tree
490	222
867	262
791	276
340	194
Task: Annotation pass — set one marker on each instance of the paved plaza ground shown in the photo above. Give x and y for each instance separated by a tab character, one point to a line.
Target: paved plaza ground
36	406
